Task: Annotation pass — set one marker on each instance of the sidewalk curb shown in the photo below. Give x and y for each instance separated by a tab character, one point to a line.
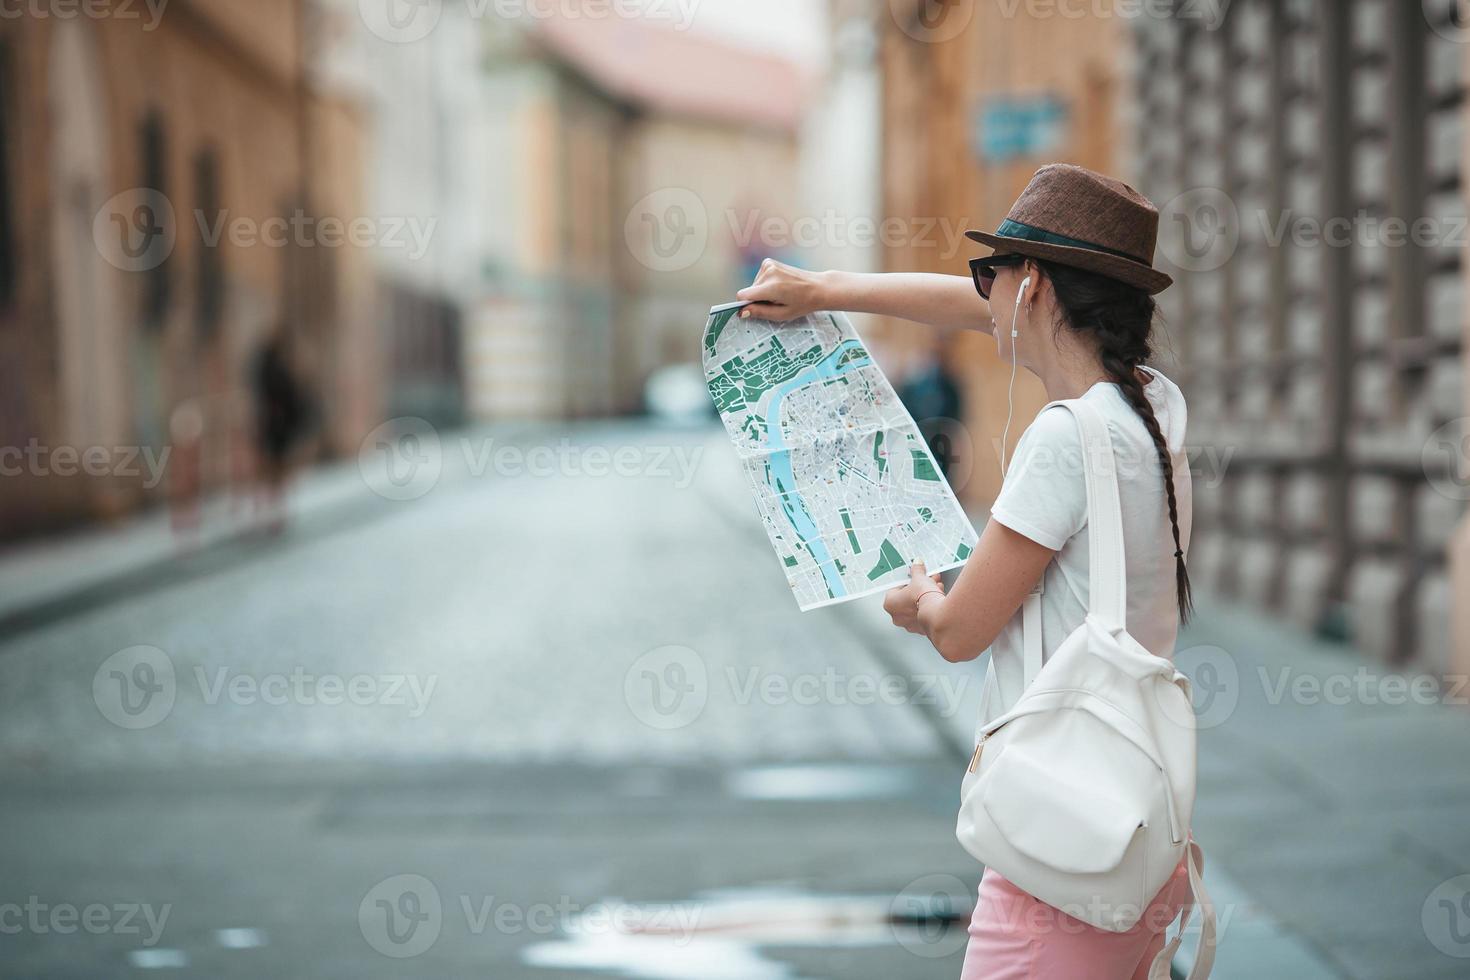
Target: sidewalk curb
324	500
226	549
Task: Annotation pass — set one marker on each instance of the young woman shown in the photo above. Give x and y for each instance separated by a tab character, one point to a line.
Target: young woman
1068	295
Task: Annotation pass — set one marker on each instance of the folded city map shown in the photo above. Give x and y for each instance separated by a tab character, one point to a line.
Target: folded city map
844	481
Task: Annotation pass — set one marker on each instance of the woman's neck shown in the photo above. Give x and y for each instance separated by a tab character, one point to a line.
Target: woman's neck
1067	378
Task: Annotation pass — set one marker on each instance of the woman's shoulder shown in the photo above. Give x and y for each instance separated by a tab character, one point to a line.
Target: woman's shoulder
1053	426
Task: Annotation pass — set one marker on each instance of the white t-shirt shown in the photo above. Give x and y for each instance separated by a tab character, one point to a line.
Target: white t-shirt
1044	497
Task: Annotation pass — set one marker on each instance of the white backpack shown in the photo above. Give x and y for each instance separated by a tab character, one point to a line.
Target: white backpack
1082	793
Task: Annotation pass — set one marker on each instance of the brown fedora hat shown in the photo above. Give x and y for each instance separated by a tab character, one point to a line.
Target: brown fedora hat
1074	216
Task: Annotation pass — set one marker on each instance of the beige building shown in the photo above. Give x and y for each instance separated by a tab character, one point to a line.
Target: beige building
114	308
976	97
622	191
1311	158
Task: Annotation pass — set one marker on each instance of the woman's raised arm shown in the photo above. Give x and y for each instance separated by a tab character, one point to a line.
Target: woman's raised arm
783	292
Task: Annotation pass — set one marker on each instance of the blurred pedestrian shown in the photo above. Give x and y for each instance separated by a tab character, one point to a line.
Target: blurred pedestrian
1067	294
281	416
186	471
933	399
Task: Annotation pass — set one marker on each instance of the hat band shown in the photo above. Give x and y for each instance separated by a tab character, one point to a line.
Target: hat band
1016	229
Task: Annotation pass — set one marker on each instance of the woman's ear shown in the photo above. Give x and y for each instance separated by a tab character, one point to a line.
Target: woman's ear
1032	273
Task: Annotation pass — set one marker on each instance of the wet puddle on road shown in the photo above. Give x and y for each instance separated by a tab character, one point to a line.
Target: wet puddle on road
726	934
723	935
836	782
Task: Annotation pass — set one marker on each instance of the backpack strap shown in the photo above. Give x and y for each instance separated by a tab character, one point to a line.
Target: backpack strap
1107	572
1031	631
1204	957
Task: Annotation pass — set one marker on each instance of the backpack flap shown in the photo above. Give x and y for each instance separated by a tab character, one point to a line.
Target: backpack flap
1072	826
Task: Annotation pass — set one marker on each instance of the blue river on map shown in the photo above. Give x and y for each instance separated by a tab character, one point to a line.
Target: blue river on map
780	469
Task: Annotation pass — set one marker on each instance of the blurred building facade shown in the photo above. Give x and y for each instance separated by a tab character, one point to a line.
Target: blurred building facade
424	171
126	142
1325	358
627	157
976	96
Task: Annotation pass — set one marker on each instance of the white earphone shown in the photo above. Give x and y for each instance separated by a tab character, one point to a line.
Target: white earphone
1011	388
1020	294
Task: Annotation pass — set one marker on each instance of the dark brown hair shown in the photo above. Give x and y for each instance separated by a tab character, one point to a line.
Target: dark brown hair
1118	321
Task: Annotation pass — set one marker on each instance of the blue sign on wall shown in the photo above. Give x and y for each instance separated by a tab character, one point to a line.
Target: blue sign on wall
1011	127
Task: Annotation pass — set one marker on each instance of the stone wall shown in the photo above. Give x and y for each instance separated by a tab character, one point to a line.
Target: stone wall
1307	158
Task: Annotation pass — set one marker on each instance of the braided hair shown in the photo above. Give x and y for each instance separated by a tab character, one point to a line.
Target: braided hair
1118	319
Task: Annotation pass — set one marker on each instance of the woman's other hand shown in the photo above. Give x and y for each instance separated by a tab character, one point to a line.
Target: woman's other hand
902	604
782	292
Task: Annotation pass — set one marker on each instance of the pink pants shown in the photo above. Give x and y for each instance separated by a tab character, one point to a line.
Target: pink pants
1016	937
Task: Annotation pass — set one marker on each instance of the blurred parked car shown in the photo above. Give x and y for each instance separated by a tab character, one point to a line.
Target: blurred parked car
678	394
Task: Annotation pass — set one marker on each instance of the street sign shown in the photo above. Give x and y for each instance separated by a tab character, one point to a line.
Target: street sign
1010	127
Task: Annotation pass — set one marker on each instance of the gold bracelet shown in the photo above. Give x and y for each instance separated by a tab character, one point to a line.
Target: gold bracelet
925	595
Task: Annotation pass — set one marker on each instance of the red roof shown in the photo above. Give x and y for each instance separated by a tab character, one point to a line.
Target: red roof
669	70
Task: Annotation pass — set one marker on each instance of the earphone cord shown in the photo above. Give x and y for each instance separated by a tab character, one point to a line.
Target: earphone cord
1011	388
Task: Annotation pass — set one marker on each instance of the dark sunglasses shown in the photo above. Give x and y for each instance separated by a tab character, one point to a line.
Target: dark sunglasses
983	271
